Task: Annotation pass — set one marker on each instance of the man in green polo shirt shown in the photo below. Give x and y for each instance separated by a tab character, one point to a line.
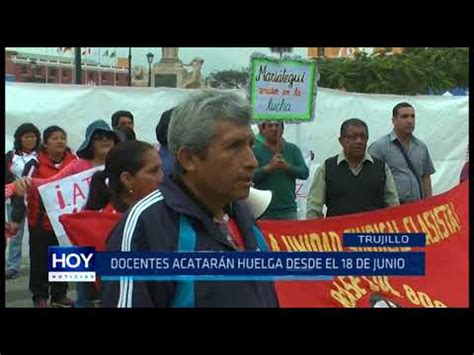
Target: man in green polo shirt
280	164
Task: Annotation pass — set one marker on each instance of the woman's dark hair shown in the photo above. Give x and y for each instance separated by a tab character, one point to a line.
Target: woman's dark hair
24	129
161	129
126	156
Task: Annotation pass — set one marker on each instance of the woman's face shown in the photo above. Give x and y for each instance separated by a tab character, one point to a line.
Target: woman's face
147	179
28	142
102	142
56	143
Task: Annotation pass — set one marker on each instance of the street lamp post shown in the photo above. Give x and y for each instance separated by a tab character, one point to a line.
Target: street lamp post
129	66
149	57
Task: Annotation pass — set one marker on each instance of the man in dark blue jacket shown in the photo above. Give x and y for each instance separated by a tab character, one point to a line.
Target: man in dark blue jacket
197	209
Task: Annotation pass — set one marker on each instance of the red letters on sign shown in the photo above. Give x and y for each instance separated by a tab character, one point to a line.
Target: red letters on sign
77	192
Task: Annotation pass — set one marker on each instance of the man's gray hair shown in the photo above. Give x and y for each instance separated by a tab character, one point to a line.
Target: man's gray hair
193	121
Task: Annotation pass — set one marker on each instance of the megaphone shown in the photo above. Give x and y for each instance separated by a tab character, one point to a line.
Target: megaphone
258	201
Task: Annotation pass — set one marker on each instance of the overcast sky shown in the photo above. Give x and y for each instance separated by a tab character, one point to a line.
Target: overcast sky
214	58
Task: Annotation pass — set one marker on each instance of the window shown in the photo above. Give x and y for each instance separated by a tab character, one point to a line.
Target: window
91	76
38	71
104	76
65	73
24	69
52	72
320	51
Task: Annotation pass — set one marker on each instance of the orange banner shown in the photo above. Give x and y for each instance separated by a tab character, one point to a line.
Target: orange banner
444	219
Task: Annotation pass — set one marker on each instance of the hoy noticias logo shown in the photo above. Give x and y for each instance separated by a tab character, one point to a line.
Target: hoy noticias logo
71	264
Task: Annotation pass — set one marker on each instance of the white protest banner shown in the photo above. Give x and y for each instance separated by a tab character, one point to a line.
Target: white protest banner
442	121
67	195
282	89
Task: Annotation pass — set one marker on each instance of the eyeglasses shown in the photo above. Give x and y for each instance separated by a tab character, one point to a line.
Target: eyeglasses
101	135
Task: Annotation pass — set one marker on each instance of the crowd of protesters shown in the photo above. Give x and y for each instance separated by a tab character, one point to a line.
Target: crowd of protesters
203	164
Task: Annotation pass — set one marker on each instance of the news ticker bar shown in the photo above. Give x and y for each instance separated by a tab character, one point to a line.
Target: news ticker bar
230	265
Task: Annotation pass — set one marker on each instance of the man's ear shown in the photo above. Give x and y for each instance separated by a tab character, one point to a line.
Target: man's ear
187	159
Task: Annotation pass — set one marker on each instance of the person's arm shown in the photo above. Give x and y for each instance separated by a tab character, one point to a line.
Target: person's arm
72	168
299	170
427	186
18	208
390	196
260	174
428	170
375	151
262	171
10	190
317	194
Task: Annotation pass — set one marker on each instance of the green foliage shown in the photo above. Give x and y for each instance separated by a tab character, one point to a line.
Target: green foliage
229	79
415	71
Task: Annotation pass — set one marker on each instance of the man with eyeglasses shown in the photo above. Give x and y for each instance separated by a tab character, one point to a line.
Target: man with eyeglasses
407	156
352	181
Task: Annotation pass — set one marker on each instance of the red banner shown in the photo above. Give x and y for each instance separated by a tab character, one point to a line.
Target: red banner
89	228
444	219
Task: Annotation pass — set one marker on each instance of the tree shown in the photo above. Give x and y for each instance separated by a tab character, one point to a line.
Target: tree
229	79
281	50
415	71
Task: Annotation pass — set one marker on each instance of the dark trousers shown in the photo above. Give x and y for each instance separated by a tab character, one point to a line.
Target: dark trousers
40	240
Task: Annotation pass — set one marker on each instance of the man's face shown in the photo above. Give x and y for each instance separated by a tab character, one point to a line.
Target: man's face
404	121
354	141
125	121
225	172
272	131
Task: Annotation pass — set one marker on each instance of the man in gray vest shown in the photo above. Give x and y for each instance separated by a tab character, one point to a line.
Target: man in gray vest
406	155
352	181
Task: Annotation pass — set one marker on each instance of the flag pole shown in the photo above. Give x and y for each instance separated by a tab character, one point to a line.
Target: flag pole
115	60
77	51
129	66
72	61
60	77
100	74
46	64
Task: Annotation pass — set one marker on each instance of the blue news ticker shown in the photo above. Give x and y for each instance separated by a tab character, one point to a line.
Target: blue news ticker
246	265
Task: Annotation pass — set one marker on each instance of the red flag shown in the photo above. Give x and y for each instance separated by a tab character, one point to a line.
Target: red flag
445	220
89	228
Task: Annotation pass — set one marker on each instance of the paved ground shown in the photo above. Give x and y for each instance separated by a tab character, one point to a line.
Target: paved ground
17	294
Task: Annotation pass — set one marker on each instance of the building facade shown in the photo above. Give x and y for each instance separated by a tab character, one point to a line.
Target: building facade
39	68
